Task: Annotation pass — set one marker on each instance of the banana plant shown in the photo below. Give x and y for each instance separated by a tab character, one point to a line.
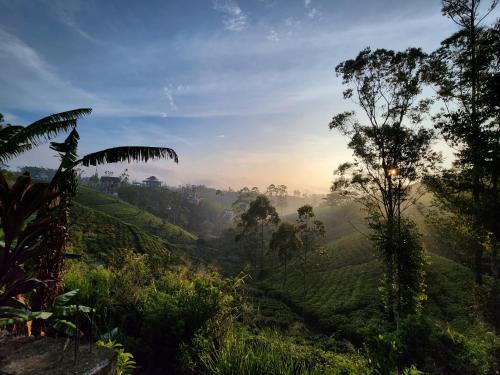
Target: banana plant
62	311
65	182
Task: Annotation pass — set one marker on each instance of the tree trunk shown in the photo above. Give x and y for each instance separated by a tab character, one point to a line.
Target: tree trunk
261	247
51	265
284	283
478	265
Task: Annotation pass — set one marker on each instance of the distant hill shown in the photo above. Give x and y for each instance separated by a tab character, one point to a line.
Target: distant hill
133	215
98	236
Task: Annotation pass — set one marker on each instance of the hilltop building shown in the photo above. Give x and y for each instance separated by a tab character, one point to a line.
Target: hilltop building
109	184
151	182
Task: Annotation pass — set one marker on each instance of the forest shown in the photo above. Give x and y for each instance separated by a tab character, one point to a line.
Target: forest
394	271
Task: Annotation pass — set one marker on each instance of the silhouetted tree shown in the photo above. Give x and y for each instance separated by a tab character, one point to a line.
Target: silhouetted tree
258	216
309	230
281	196
391	150
285	242
271	190
466	75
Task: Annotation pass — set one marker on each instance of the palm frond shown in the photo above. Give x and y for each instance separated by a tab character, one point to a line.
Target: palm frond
67	149
128	154
7	132
65	177
74	114
50	126
10	150
14	140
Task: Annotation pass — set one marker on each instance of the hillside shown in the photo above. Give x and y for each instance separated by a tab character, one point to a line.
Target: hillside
342	288
133	215
98	236
342	299
344	277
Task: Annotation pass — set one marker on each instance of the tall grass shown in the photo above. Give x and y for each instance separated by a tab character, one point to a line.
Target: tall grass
269	353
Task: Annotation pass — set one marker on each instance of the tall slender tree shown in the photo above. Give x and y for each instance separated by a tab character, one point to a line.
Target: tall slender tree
465	72
285	242
392	151
259	215
309	230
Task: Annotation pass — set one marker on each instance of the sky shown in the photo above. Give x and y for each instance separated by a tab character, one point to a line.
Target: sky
242	90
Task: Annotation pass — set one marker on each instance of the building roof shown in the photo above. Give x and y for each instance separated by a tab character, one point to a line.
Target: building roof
110	178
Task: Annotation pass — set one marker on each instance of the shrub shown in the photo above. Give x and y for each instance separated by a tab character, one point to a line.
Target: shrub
177	307
434	348
125	363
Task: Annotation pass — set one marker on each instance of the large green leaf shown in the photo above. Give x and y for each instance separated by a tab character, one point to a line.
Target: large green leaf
66	327
13	314
70	310
62	299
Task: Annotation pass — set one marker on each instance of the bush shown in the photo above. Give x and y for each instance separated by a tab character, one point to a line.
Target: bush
157	314
434	349
175	308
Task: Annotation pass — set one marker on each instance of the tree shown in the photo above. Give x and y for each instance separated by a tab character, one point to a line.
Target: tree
392	151
285	242
466	76
65	183
281	196
271	190
296	193
258	216
240	205
308	230
17	139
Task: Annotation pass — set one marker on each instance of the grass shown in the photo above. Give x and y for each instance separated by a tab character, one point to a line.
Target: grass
271	353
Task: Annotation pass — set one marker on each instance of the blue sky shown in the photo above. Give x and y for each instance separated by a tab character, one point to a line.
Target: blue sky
242	90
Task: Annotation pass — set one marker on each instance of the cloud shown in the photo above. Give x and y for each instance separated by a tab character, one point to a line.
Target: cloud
25	76
168	91
313	13
30	83
67	11
292	22
220	136
273	36
234	19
